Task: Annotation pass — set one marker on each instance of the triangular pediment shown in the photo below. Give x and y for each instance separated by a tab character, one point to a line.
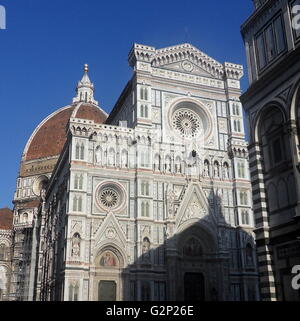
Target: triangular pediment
187	66
187	58
110	231
194	206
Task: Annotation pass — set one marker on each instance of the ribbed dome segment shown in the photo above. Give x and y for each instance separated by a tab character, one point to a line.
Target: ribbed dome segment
50	136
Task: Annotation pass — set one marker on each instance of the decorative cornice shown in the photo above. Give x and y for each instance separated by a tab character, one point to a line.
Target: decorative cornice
165	56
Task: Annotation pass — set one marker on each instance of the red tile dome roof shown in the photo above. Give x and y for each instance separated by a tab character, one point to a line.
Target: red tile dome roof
6	219
49	137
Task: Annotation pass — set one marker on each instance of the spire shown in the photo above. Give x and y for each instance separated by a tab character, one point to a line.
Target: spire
85	89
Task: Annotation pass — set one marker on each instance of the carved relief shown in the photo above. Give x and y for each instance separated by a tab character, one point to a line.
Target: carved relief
76	246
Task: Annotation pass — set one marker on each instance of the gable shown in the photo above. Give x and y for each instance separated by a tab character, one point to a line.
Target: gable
187	66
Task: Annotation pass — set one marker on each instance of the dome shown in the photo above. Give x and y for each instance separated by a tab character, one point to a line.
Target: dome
49	137
6	219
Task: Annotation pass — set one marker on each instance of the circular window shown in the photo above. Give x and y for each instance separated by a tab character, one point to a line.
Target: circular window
110	196
186	123
189	119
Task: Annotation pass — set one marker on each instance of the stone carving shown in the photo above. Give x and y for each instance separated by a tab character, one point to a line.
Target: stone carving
146	250
194	210
76	246
76	226
110	233
206	169
98	156
170	198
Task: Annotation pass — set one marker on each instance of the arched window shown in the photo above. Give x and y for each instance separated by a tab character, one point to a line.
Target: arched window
82	151
145	188
141	93
249	254
77	152
233	109
76	182
241	169
79	204
143	209
144	158
73	292
273	138
80	181
75	203
245	218
243	198
2	252
144	111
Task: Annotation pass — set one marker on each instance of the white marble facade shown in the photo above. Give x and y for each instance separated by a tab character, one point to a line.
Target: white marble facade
159	193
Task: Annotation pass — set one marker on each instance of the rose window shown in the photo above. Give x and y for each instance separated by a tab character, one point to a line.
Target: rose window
109	197
186	123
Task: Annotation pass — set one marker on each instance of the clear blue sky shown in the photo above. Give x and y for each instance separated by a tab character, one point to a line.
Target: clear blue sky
47	42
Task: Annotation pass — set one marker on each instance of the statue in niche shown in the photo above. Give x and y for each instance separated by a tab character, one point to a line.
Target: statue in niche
206	169
98	156
108	260
43	194
76	245
226	171
216	169
124	159
146	249
156	163
170	198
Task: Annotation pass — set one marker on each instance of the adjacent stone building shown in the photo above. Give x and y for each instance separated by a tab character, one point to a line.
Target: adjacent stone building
272	104
150	202
6	236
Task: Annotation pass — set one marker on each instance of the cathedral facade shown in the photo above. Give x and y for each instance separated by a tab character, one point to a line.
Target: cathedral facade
150	202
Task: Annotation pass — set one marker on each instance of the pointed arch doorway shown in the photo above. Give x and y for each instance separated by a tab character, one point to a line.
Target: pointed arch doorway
108	281
107	290
194	287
